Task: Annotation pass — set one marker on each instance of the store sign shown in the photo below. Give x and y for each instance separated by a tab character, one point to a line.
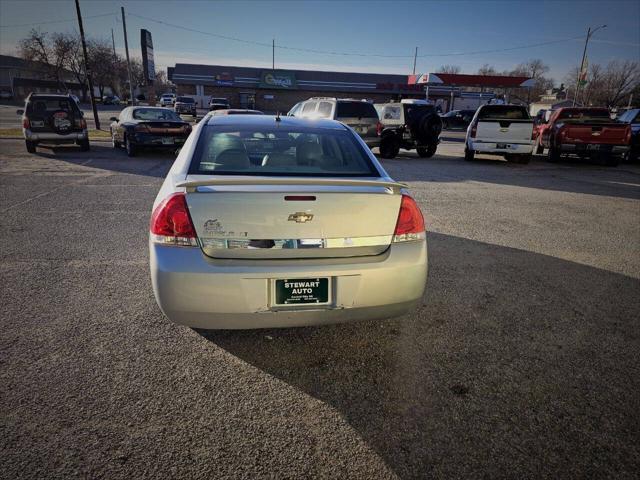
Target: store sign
224	79
148	65
278	79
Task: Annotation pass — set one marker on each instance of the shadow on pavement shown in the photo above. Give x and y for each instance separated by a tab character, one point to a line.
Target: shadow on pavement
518	365
153	163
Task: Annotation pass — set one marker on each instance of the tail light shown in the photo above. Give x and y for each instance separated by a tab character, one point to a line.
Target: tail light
81	123
26	124
141	128
410	224
171	223
379	128
627	137
187	129
474	130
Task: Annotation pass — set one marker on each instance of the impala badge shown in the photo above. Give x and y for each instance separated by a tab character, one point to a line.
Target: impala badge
300	217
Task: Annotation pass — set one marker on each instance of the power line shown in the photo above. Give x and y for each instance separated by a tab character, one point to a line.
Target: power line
56	21
353	54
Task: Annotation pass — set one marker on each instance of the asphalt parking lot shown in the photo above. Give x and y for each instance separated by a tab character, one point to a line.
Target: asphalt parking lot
523	361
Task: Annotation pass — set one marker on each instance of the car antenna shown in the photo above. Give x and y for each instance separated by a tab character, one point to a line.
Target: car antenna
278	119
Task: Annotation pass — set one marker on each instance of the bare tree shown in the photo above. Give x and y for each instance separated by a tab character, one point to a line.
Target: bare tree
101	64
449	69
487	69
37	49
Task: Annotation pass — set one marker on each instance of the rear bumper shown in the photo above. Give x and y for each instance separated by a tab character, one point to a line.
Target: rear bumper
50	137
197	291
492	147
150	140
593	147
372	142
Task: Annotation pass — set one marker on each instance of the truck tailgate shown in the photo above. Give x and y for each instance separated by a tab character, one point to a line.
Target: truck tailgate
504	131
601	133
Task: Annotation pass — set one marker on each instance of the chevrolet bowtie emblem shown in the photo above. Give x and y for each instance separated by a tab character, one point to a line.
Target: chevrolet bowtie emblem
301	217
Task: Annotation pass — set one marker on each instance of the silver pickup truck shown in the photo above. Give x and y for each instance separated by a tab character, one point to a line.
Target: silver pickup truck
500	130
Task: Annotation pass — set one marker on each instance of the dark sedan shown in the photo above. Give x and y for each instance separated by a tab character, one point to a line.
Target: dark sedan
632	117
155	127
457	119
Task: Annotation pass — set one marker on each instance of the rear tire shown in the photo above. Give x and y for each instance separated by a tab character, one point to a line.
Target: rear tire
31	146
389	147
539	149
129	147
553	155
469	155
611	161
427	152
524	159
84	145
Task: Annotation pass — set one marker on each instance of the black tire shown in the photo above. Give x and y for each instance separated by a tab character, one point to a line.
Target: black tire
539	149
524	159
114	142
31	146
84	145
553	155
611	161
427	152
469	155
389	147
129	147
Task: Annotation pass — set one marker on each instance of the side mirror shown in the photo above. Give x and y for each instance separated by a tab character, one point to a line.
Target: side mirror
20	112
113	119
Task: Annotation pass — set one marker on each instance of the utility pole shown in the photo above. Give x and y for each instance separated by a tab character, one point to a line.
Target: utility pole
273	54
415	57
126	49
113	42
584	56
87	72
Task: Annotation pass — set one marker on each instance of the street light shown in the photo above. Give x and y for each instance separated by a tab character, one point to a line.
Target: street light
584	56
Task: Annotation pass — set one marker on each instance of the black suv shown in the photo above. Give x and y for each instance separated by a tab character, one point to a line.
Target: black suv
409	124
53	119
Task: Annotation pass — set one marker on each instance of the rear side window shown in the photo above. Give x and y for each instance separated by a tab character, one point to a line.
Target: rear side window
293	151
308	108
356	110
324	109
510	112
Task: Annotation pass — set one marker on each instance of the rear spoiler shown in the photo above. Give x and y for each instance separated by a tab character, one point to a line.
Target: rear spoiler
192	186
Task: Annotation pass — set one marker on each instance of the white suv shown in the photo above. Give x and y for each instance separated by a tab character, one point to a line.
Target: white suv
167	99
360	115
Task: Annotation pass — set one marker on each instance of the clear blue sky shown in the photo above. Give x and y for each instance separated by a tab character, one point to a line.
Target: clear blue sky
384	28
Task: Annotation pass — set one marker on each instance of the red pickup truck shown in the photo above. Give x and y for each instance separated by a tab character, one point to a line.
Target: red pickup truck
585	132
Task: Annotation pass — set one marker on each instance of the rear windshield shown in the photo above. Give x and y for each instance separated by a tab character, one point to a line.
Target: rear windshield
234	150
51	104
584	114
356	110
167	95
219	100
503	112
184	99
153	114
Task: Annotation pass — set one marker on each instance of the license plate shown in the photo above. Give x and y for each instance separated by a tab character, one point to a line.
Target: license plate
167	141
37	123
502	145
593	147
302	291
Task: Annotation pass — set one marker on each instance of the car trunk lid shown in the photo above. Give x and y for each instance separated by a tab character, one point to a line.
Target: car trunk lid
279	217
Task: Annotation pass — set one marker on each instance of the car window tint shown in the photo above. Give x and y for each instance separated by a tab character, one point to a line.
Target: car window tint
391	112
44	105
155	114
308	108
324	109
294	151
355	109
637	117
584	114
503	111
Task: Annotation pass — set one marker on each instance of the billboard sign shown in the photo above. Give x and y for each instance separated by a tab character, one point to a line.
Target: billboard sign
278	79
224	79
148	64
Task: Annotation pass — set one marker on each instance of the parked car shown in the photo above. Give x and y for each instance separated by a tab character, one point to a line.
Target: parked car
409	124
6	95
111	100
167	99
457	119
53	119
500	130
267	221
585	132
632	118
237	111
216	103
185	105
148	127
357	114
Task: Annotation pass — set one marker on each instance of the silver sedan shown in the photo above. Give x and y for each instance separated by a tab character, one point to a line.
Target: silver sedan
267	222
